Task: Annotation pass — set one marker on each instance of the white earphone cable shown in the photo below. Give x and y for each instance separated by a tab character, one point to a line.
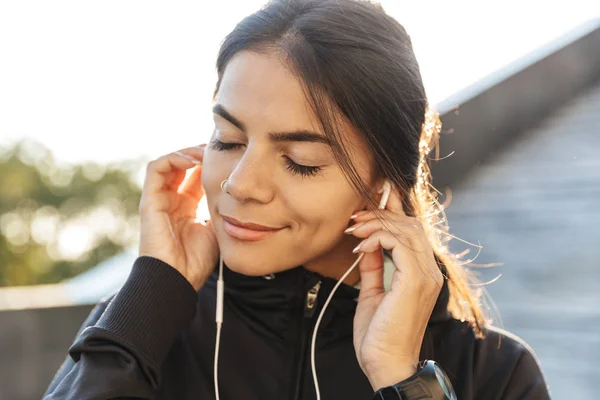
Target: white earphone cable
219	320
314	336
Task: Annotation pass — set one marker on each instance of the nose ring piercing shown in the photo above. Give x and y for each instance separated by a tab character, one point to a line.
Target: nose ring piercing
223	186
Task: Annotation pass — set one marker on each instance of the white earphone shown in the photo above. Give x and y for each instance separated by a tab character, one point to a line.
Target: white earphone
386	189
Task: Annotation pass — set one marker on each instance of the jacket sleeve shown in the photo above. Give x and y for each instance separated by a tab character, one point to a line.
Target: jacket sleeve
527	380
120	348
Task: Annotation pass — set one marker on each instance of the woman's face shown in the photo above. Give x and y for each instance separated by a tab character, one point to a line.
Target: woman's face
280	172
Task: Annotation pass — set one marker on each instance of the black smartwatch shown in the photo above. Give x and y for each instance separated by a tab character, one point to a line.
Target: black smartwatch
430	382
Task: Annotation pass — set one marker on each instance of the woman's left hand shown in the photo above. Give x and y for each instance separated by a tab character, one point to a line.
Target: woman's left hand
389	326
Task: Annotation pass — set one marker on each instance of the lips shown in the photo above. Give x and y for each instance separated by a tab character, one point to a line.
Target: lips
247	231
249	225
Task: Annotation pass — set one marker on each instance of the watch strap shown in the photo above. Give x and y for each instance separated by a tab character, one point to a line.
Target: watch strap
423	385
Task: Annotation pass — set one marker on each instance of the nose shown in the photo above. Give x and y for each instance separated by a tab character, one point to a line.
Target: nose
251	179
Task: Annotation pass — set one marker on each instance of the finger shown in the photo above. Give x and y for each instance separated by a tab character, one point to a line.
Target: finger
363	216
406	238
404	252
196	152
385	240
192	186
388	214
396	226
173	180
371	274
168	171
407	230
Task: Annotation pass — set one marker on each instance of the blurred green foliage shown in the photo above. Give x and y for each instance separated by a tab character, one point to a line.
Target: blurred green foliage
56	219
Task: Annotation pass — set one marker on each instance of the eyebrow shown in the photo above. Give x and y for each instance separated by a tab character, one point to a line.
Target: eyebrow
301	135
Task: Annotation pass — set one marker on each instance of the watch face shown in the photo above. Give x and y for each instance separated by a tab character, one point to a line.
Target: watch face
444	382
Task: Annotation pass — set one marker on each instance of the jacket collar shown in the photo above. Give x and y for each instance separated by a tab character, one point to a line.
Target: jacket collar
286	291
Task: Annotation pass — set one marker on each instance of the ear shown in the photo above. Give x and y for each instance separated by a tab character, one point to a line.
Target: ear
376	192
377	189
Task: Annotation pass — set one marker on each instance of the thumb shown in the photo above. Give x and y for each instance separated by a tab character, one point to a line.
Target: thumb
371	274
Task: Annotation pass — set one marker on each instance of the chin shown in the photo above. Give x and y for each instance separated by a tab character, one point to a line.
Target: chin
252	266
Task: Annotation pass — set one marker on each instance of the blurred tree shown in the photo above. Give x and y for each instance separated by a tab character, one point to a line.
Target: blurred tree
57	220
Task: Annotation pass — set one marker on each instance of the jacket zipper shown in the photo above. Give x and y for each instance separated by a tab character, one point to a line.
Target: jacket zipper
310	305
311	300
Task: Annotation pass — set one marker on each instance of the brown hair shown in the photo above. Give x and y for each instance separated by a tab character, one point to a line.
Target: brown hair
356	61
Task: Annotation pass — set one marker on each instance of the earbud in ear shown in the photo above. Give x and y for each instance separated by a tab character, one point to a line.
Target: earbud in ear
386	189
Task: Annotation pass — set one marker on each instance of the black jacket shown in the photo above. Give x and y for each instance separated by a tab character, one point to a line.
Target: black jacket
155	339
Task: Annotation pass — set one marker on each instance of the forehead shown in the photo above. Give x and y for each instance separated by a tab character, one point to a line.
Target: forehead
263	93
258	87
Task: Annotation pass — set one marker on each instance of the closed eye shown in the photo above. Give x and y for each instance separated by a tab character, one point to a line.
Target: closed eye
293	167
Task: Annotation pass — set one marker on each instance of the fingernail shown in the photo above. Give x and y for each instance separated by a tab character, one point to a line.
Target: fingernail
358	214
357	248
192	159
353	227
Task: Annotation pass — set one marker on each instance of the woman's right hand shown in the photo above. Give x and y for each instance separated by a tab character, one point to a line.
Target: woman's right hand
169	230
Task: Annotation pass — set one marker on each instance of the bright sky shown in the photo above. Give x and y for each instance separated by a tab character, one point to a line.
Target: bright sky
115	79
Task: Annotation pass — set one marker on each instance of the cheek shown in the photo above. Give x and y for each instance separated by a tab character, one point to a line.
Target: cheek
322	207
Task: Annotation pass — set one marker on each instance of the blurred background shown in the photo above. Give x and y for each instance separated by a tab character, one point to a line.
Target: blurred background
90	91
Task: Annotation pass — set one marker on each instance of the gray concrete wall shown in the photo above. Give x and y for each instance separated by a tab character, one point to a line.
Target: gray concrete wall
534	209
33	344
487	116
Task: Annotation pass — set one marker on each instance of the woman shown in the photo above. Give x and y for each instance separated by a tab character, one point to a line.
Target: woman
317	103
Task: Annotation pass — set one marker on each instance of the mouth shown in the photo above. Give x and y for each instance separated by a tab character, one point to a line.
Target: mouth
246	230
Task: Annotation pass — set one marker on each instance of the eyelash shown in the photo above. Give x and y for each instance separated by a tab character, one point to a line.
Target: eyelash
291	166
